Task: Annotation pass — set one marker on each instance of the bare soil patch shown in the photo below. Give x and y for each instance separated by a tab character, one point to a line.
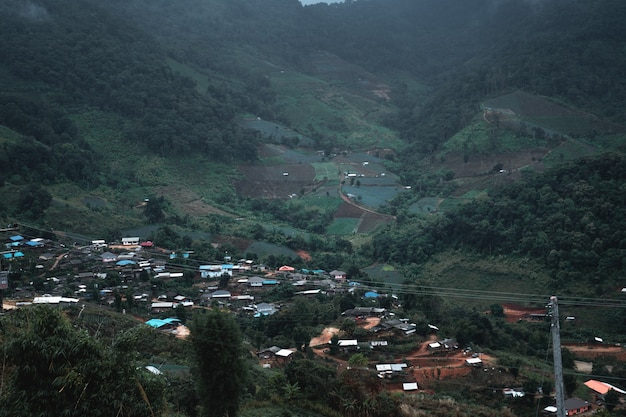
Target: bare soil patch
324	337
514	312
350	211
592	351
282	181
187	201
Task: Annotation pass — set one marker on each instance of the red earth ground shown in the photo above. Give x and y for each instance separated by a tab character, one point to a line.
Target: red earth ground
513	312
423	365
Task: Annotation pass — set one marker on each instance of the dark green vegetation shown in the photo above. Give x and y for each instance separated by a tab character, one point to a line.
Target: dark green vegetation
488	135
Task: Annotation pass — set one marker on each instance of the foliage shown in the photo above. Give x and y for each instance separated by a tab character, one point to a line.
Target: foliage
53	369
221	372
569	217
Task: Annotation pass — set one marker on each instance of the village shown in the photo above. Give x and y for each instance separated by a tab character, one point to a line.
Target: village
128	273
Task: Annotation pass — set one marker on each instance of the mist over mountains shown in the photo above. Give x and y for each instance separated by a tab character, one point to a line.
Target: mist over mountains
180	76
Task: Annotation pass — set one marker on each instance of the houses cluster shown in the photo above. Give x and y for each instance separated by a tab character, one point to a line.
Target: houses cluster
104	271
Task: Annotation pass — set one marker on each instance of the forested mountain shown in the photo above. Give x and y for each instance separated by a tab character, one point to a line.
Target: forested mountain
232	129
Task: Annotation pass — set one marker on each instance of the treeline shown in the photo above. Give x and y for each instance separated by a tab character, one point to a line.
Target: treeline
51	148
559	49
571	218
80	56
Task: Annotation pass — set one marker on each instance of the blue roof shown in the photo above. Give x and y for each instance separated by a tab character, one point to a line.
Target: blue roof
371	294
18	254
125	262
161	322
16	238
270	282
34	243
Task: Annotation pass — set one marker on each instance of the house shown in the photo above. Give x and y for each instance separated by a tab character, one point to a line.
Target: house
275	352
513	392
162	306
390	370
475	362
108	257
602	388
130	241
54	300
347	345
264	309
401	326
409	386
309	292
255	282
221	295
338	275
364	312
268	353
573	406
216	271
164	324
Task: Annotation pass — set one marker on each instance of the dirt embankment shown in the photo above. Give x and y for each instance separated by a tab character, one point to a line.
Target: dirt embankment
424	365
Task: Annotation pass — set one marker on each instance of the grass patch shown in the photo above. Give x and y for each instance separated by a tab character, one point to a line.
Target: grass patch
201	80
264	249
343	226
329	109
9	135
567	151
425	205
326	171
372	196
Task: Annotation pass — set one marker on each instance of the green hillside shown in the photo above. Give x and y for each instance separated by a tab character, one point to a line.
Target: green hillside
460	161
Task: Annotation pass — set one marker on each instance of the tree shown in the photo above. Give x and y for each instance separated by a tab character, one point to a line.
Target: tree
358	360
53	369
221	373
611	399
154	210
33	201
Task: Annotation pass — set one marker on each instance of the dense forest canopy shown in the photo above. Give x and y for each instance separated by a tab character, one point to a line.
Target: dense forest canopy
565	217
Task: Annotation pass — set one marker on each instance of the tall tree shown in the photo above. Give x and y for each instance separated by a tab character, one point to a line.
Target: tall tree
52	369
221	372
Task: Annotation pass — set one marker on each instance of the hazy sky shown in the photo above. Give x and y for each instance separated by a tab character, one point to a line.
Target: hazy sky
305	2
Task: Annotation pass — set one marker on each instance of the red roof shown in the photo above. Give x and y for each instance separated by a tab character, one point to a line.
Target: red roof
286	268
602	387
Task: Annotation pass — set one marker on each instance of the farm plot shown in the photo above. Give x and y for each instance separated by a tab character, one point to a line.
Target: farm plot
283	155
343	226
277	132
326	170
350	218
282	181
373	196
518	107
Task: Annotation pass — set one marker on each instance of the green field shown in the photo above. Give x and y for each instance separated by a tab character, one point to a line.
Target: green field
372	196
425	205
568	151
326	171
343	226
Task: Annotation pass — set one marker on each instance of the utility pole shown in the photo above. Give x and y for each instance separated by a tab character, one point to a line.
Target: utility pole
553	312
